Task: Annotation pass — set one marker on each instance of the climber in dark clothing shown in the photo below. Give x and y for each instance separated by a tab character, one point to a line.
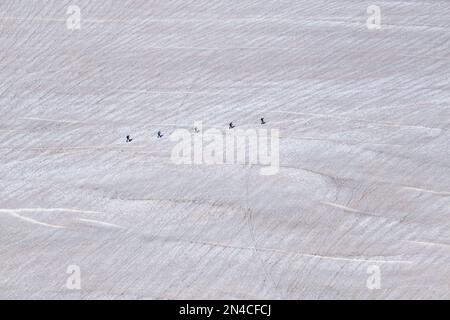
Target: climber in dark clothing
129	139
231	125
160	135
262	121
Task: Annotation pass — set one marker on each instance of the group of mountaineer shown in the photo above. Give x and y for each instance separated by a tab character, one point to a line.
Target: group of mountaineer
159	135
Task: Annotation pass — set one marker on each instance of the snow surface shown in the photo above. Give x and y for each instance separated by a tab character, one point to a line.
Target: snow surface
364	119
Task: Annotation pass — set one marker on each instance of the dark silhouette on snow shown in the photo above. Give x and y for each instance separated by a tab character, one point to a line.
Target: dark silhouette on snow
129	139
160	135
196	130
231	125
262	121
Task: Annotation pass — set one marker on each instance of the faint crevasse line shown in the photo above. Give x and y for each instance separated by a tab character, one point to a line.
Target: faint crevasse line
302	254
304	20
200	93
112	146
429	243
328	175
13	212
33	221
348	209
101	223
439	193
49	210
388	124
51	120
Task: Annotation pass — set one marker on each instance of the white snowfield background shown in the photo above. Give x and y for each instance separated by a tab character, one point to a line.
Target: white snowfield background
364	179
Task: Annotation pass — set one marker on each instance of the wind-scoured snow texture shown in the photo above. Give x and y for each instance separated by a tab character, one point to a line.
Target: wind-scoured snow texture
364	120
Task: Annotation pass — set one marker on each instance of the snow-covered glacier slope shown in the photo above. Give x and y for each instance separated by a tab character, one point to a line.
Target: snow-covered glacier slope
363	190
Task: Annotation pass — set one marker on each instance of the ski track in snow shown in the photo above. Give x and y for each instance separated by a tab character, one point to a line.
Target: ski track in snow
364	176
